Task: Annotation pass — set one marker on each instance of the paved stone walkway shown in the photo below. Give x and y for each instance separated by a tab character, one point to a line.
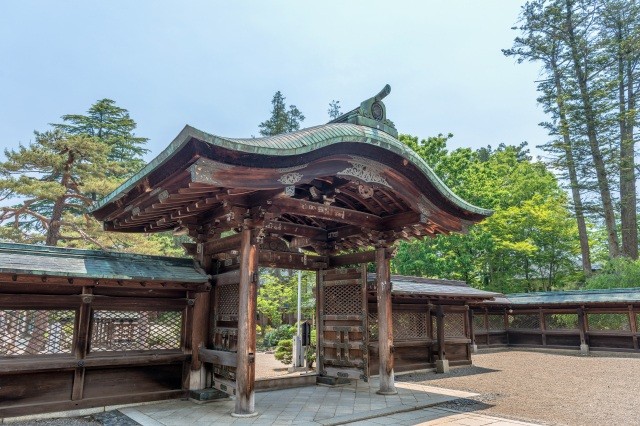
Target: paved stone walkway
319	405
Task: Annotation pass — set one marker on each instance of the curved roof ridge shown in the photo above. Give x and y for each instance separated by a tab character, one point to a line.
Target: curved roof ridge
296	143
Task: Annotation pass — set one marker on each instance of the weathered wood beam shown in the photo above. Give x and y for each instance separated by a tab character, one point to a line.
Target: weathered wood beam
352	259
287	228
321	211
223	244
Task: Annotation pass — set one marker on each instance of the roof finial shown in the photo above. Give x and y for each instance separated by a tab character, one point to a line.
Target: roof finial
371	113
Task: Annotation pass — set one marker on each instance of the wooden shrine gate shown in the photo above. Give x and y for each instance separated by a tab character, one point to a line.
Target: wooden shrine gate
342	323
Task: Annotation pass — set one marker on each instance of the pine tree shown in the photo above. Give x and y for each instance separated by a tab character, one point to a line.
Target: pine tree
334	109
112	125
282	120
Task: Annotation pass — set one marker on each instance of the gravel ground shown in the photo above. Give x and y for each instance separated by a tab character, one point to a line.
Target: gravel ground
552	388
268	366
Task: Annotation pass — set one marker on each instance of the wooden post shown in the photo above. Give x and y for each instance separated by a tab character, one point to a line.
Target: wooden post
319	323
633	325
82	343
442	364
582	326
246	367
199	323
543	328
472	332
385	322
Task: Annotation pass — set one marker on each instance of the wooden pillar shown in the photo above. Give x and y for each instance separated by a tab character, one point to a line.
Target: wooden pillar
543	327
199	321
634	327
472	332
246	367
319	322
582	326
440	329
385	322
82	343
442	364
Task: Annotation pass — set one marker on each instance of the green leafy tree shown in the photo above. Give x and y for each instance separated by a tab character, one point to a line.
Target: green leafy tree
528	243
281	120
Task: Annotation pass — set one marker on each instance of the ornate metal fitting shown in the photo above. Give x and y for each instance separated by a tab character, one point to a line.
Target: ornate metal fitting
80	363
191	302
87	298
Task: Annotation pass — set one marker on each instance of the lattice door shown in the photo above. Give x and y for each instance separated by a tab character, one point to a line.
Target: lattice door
224	335
343	336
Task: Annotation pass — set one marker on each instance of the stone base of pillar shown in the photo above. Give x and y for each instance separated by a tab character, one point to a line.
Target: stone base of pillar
442	366
201	396
474	348
197	379
244	416
389	392
584	349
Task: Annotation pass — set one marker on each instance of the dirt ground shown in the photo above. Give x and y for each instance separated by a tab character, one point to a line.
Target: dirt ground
553	388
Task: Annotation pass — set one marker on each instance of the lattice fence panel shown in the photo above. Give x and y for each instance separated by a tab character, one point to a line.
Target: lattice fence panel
609	322
454	325
410	325
478	323
561	321
135	330
496	322
638	322
228	300
36	332
373	326
342	300
522	321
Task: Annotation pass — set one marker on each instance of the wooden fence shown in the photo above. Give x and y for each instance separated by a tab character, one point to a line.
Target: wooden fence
601	328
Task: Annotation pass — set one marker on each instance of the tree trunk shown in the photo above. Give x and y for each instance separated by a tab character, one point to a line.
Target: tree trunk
571	167
628	200
53	232
590	121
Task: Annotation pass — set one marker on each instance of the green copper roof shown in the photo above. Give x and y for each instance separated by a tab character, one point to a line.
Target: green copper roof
617	295
296	143
73	263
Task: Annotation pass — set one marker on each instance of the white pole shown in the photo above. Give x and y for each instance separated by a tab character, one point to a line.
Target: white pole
298	357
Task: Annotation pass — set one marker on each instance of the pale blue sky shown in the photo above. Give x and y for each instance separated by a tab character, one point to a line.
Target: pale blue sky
216	65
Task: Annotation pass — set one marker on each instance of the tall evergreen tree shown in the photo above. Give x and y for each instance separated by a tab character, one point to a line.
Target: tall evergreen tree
281	120
334	109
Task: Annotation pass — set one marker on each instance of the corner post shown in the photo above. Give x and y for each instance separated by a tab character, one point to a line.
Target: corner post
200	322
582	326
472	332
385	321
246	367
442	364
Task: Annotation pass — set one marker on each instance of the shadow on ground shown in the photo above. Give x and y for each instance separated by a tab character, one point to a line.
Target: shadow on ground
454	372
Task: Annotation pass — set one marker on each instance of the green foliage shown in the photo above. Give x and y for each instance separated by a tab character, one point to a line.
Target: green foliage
284	351
617	273
54	179
272	337
310	353
281	120
528	243
278	295
334	109
113	126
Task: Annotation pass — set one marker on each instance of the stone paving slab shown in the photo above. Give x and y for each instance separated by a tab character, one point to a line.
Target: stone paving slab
319	405
435	416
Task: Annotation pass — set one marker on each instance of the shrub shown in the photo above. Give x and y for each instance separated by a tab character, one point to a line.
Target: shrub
284	351
273	337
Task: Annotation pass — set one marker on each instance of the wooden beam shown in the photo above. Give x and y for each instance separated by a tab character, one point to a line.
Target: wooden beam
321	211
294	229
352	259
223	244
246	367
225	358
385	321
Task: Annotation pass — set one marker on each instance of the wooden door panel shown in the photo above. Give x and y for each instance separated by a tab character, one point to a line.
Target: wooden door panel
342	311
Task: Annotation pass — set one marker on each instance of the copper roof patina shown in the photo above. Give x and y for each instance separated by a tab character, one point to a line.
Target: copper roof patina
93	264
